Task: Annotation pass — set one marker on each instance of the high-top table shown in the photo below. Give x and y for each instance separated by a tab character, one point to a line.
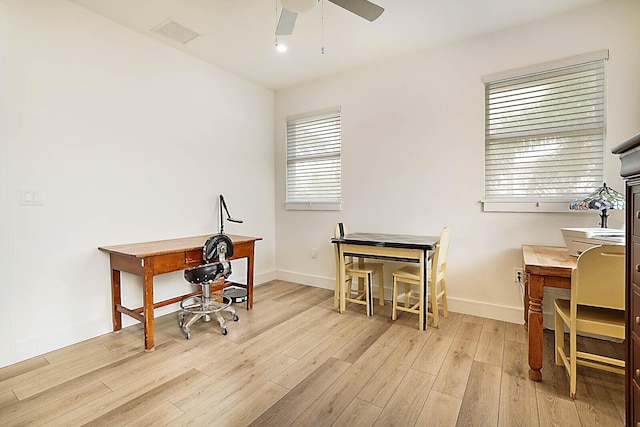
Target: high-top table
544	266
392	247
149	259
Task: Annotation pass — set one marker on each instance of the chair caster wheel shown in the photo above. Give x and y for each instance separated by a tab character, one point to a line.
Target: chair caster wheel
235	318
188	335
180	320
225	331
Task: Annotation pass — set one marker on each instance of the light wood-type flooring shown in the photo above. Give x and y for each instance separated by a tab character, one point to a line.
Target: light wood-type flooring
293	360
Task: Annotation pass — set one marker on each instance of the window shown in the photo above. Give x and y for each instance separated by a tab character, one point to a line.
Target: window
313	161
544	135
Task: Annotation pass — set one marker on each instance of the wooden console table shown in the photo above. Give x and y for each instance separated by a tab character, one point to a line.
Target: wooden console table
548	266
149	259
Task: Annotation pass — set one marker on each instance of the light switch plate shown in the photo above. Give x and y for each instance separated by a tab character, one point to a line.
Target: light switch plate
31	197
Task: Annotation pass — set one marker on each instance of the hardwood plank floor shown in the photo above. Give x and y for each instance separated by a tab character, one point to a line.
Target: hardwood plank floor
294	361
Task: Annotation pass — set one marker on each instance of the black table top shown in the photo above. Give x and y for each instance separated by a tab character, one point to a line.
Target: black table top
389	240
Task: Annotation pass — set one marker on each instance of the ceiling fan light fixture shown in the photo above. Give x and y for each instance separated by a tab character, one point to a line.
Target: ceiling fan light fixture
299	6
281	48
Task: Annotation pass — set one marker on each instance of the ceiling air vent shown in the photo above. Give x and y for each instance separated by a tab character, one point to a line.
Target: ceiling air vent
173	30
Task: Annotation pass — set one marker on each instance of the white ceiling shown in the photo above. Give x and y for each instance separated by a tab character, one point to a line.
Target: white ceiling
238	35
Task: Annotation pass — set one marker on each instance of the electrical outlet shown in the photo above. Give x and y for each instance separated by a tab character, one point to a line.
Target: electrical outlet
518	275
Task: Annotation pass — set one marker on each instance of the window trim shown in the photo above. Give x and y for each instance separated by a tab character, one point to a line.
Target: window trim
545	206
558	205
547	66
313	205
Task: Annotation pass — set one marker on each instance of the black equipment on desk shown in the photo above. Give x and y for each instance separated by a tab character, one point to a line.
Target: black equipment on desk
229	218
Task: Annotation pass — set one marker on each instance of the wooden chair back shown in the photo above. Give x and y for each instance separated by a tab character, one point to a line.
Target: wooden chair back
599	278
341	230
439	266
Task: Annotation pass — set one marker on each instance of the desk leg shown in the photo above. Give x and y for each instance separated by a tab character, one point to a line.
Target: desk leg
250	280
116	300
343	303
422	317
149	324
536	290
526	300
336	292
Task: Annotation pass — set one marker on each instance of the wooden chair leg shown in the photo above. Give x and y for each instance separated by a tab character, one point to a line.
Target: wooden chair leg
381	279
443	292
573	362
407	295
368	294
559	338
434	304
423	311
394	300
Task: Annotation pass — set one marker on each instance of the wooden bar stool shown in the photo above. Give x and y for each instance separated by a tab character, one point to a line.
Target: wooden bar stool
364	272
437	288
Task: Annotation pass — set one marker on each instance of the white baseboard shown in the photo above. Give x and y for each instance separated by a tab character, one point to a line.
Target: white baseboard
512	314
259	279
306	279
482	309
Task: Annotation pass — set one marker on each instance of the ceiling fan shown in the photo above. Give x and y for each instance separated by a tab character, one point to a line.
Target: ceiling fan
291	8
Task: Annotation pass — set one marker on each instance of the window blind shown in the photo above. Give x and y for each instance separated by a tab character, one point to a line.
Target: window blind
313	158
544	134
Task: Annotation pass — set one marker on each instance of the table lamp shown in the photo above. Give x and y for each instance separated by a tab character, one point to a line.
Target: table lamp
603	199
229	218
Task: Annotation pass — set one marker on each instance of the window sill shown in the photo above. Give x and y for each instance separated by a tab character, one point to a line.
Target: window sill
526	206
311	206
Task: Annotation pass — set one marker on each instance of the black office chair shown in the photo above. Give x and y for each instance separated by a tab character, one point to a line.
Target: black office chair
204	304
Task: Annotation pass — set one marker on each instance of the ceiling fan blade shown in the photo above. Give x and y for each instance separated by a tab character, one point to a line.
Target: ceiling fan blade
286	22
363	8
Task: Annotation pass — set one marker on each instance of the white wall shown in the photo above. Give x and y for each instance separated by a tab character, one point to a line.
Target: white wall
5	301
128	140
413	153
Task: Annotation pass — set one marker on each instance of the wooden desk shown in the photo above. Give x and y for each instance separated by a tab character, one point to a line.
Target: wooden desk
149	259
544	266
392	247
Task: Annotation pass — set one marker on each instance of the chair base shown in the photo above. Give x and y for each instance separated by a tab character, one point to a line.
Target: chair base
202	306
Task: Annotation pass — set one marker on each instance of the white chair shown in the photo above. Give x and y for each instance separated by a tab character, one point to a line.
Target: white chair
364	272
596	307
437	287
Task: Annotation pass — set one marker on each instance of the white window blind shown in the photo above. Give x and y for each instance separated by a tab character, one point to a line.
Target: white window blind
313	161
544	134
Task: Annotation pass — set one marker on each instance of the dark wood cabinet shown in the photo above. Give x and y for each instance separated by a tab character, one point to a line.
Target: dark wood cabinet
629	152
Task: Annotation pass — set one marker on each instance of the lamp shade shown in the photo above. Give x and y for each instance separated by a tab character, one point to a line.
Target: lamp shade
299	5
603	199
